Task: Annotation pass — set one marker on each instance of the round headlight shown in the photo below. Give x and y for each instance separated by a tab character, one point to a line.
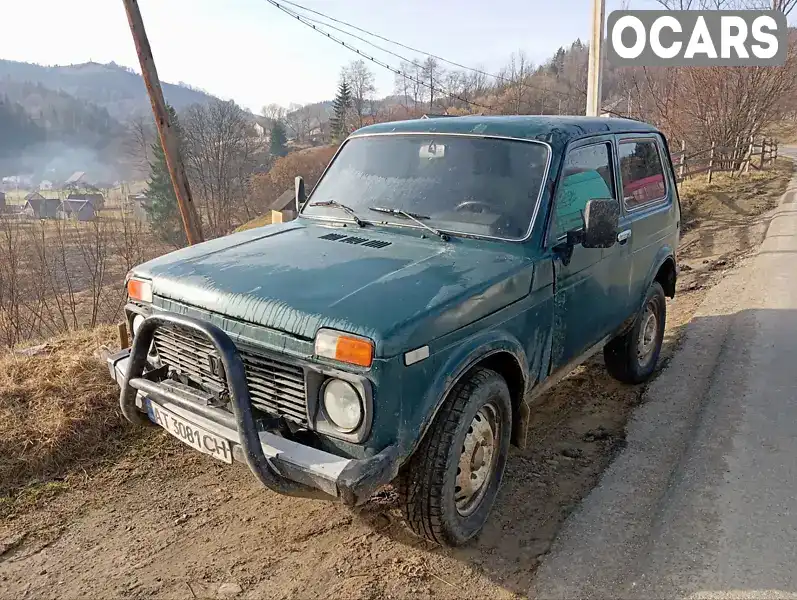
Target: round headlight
137	321
342	405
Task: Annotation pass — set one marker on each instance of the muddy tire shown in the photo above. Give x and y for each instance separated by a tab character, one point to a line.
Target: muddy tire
632	357
449	485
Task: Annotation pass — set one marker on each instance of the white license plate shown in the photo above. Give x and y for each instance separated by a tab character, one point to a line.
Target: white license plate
196	437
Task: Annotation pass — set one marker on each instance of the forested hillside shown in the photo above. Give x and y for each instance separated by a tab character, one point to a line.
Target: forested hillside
56	120
19	131
118	89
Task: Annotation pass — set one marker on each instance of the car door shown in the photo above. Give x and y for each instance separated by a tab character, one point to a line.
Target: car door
583	300
648	205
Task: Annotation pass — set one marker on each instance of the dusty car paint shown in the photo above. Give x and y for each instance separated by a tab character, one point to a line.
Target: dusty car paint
427	288
466	299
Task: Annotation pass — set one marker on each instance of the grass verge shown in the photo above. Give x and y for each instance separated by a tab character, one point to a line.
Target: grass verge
58	410
740	196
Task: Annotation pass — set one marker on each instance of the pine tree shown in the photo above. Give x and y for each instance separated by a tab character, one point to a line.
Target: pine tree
162	209
278	139
341	105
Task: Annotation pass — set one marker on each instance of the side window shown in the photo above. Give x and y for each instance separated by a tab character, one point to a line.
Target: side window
587	175
642	173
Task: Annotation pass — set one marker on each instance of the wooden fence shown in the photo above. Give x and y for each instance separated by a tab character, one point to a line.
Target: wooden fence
736	160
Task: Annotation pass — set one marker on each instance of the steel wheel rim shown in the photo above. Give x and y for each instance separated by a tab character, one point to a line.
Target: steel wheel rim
477	459
648	334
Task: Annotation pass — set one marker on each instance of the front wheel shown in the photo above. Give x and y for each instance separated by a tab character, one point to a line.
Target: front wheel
632	357
449	485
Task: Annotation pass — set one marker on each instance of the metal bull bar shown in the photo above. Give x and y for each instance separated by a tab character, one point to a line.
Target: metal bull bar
236	384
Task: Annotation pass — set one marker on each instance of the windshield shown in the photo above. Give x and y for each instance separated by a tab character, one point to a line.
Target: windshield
471	185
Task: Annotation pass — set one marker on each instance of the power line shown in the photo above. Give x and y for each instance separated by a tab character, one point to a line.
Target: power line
303	20
381	37
357	37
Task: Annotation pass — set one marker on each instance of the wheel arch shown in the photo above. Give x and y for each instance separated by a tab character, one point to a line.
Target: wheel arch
666	275
664	271
493	350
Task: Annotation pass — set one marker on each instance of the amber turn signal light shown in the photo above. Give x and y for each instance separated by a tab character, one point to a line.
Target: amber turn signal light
139	290
344	348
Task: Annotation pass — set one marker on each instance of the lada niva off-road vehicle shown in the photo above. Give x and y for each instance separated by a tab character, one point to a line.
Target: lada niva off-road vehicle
441	274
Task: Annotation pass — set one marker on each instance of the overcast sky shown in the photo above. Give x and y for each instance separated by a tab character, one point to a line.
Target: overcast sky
251	52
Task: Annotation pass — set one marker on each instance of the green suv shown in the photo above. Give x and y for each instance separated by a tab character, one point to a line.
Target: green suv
439	277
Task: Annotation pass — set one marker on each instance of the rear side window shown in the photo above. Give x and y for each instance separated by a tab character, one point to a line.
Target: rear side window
587	175
642	173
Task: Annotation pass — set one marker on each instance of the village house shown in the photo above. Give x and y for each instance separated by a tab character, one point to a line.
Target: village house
39	207
75	178
285	204
97	200
76	210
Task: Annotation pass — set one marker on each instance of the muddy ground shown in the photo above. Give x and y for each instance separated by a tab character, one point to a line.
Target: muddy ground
161	520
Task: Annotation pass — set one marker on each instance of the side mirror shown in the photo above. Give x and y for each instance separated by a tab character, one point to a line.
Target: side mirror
601	218
299	196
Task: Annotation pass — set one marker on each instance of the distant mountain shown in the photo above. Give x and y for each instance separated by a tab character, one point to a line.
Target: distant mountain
117	89
57	120
51	134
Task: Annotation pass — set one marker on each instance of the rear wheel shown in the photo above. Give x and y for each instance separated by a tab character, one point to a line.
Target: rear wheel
632	357
449	485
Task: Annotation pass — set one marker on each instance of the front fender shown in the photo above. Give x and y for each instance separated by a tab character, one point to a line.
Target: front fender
459	360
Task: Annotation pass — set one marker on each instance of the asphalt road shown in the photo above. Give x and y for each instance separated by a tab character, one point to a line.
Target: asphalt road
702	502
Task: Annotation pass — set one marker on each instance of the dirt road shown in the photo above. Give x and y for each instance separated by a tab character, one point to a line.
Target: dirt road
163	521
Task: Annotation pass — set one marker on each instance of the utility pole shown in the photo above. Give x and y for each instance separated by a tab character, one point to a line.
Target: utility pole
595	59
166	132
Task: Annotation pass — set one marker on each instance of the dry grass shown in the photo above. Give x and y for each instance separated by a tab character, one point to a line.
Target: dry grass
784	131
58	409
746	195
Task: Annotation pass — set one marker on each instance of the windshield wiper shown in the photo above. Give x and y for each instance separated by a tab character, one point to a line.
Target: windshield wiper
344	208
413	217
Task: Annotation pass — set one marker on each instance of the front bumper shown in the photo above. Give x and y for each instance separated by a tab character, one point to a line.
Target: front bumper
280	464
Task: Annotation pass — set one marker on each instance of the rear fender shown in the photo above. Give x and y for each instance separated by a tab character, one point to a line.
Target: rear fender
664	254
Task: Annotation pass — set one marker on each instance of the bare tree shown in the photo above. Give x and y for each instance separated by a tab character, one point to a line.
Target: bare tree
140	136
273	112
361	82
297	120
401	86
516	78
221	151
432	74
714	104
11	281
410	84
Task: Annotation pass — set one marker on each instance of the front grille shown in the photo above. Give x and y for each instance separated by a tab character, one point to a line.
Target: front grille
275	387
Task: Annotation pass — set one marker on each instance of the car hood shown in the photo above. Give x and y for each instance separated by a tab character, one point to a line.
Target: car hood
396	288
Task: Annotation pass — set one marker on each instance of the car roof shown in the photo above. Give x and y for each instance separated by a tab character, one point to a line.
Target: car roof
556	130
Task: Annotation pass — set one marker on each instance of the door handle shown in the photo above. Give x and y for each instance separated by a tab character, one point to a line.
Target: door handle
623	236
